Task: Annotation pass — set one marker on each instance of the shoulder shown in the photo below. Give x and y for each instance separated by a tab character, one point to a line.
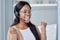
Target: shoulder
11	30
38	29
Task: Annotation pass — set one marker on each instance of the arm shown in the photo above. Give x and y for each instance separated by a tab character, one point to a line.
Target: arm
42	32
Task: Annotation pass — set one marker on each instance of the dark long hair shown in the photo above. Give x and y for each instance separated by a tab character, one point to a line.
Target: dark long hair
32	27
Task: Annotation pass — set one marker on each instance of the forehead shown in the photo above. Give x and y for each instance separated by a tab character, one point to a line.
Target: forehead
25	7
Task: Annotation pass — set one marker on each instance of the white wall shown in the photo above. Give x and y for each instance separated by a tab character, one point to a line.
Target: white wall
8	15
58	20
44	13
0	19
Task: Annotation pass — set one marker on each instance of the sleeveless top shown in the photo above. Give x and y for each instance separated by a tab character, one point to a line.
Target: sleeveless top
27	34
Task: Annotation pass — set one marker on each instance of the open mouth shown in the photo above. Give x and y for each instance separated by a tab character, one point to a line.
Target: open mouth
27	18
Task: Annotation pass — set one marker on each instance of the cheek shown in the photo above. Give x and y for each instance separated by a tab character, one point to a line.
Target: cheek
30	15
22	15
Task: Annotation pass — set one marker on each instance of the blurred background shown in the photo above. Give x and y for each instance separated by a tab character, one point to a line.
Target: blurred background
42	10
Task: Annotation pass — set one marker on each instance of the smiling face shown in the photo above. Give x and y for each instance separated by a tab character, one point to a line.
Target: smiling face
25	13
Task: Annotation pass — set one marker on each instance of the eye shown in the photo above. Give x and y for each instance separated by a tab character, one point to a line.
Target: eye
24	11
29	11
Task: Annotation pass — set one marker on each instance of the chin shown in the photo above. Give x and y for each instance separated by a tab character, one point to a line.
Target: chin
27	21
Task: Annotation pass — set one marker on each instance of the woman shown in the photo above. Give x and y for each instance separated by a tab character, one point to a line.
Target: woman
22	28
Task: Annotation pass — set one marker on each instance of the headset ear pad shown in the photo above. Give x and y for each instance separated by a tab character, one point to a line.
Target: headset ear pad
16	14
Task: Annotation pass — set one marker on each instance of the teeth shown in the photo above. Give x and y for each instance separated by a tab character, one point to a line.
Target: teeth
27	17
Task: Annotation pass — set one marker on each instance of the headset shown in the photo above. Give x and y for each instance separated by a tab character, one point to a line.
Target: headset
16	13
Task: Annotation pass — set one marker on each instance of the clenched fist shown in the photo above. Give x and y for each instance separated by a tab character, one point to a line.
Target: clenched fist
43	24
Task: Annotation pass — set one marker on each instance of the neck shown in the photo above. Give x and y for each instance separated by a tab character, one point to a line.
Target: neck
22	25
